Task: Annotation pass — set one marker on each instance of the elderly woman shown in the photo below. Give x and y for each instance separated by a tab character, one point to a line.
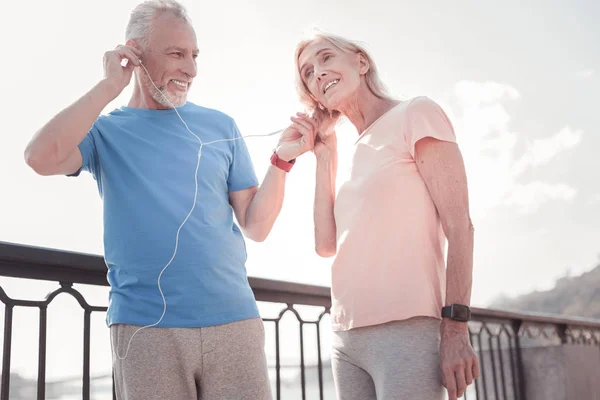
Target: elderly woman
399	314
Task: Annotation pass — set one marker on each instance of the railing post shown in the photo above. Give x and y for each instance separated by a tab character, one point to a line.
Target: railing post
520	370
8	313
561	330
41	389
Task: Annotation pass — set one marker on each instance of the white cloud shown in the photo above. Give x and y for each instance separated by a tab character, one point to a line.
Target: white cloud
475	93
594	199
541	151
494	167
529	197
545	149
585	73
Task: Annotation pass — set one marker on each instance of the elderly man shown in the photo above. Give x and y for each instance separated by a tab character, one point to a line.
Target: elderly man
183	319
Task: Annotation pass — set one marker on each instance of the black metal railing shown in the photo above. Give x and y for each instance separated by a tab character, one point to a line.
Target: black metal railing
498	337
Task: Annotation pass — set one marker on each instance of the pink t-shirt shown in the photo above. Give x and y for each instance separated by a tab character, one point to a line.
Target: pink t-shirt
391	245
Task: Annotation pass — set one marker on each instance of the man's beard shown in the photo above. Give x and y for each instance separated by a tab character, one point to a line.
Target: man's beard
164	97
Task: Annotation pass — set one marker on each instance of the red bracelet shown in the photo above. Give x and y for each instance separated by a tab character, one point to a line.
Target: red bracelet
279	163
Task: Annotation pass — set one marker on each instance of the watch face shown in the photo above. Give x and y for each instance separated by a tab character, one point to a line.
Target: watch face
460	313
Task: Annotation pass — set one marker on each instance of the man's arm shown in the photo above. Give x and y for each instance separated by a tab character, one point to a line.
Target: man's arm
257	208
53	150
441	166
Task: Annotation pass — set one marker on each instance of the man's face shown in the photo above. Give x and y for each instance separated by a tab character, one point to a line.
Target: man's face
170	58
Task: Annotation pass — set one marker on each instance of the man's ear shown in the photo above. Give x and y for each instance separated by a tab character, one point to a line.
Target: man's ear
135	45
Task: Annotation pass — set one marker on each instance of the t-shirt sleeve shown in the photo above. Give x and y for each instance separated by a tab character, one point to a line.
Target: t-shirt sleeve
89	153
427	119
241	170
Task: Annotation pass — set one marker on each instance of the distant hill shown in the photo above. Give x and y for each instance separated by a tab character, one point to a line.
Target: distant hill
577	296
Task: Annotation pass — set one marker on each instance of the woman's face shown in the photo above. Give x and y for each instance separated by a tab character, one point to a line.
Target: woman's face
330	74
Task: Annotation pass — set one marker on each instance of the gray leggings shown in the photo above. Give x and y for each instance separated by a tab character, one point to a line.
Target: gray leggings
392	361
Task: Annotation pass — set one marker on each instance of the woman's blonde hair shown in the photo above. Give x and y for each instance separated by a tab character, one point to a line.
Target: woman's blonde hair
374	82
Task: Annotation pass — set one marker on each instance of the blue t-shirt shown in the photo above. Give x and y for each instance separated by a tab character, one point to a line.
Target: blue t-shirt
144	163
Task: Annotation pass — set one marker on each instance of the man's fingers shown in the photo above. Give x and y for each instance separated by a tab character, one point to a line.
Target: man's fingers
134	50
118	57
130	53
132	57
308	119
301	129
303	123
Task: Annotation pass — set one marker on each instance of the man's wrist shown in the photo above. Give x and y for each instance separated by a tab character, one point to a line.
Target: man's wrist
109	89
278	162
283	158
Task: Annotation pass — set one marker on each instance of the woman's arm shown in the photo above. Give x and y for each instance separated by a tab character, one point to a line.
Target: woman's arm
441	166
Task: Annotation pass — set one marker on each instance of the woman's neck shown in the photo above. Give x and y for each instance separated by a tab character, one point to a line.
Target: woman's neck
364	108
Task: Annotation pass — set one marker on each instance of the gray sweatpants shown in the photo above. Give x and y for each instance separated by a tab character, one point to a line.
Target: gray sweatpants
398	360
213	363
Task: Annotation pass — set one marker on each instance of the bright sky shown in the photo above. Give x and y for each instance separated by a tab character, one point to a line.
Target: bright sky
519	81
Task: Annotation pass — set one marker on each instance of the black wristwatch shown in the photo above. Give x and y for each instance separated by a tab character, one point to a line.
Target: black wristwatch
457	312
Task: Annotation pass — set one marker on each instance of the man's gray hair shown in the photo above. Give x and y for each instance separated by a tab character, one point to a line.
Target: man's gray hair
140	22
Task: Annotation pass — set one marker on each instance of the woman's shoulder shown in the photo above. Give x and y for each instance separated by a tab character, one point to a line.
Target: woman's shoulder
421	103
423	107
